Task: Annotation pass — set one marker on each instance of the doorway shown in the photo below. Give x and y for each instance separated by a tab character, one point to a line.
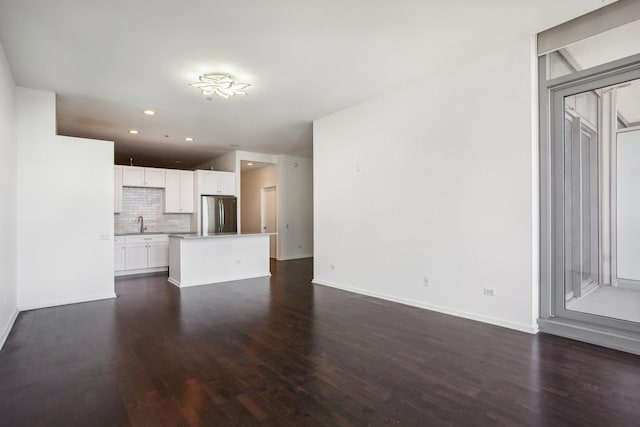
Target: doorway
269	217
590	214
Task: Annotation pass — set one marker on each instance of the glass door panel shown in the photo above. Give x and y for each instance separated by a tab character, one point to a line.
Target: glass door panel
602	230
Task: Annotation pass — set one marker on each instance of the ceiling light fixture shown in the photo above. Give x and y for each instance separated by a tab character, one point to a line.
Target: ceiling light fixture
188	139
149	112
133	131
249	164
221	84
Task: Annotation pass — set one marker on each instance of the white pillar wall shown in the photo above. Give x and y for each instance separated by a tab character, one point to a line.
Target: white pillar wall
65	210
8	194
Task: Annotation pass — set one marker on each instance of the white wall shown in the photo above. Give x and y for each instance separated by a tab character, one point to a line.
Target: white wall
444	190
251	195
8	195
225	163
65	207
295	207
295	198
628	205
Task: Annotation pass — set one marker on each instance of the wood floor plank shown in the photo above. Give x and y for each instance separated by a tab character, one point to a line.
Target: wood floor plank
279	351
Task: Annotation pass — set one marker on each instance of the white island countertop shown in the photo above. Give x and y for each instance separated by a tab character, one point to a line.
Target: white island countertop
216	236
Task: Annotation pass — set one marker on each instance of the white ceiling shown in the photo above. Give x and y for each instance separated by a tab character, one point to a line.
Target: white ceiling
109	60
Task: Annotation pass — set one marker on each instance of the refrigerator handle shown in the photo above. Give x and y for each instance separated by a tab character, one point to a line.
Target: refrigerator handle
219	215
223	222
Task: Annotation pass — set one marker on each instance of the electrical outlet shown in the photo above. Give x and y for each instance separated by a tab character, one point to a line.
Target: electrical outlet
490	292
425	282
333	266
104	237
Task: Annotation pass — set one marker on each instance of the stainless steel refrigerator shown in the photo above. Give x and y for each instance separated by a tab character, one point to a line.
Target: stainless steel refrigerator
219	214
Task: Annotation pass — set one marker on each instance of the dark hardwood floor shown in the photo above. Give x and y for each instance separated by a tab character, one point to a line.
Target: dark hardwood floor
281	352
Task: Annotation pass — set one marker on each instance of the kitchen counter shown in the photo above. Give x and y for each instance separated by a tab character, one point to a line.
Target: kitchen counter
151	233
196	259
216	236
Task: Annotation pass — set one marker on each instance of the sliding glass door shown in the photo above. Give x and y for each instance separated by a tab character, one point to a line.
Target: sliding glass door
595	186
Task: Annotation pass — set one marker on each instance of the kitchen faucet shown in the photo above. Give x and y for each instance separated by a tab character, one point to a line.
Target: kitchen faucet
140	219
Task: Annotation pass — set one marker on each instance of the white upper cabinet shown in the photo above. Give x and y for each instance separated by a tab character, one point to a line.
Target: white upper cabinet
227	183
186	191
216	183
135	176
154	177
178	196
117	189
132	176
172	192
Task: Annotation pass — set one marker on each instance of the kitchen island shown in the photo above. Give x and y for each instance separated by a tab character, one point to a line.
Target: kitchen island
196	259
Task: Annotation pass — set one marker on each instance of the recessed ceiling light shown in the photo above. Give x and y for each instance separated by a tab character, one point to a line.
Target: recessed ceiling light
133	131
188	139
249	164
149	112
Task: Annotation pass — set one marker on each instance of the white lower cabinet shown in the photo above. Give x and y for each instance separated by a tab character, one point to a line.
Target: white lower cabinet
143	252
158	254
136	255
119	255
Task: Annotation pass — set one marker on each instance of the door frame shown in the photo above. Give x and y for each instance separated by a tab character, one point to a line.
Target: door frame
262	215
554	318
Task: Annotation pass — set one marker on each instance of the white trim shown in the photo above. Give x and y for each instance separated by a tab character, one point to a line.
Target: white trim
530	329
220	280
535	185
600	20
628	284
262	220
66	301
289	258
7	329
141	271
627	129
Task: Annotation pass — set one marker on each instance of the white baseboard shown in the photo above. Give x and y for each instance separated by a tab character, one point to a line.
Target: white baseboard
530	329
66	301
628	284
219	280
8	327
289	258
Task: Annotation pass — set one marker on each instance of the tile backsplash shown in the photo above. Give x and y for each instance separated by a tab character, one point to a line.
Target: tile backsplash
148	202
